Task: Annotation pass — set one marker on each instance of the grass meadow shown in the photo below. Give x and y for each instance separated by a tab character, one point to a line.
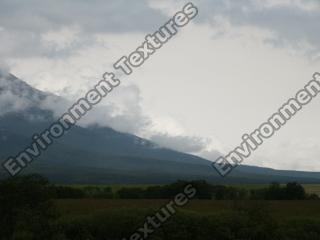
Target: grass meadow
279	209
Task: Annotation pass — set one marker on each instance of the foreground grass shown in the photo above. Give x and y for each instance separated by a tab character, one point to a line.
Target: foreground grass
199	220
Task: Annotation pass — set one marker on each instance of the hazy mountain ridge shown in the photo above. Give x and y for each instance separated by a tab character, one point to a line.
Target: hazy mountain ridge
101	154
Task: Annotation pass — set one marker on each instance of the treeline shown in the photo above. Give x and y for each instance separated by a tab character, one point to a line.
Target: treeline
67	192
152	192
290	191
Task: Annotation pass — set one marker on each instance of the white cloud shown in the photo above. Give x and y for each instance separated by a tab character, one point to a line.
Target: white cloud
295	154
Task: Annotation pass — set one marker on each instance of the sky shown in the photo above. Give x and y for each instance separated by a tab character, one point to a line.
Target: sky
221	76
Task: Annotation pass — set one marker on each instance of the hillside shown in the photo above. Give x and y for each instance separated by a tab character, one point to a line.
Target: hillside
102	155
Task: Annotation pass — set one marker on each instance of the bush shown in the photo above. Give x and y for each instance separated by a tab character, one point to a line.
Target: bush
25	208
292	191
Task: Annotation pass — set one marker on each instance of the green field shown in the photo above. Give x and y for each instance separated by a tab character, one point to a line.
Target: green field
310	188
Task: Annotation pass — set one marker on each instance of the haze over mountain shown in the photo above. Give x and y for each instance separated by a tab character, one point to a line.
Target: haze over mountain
97	154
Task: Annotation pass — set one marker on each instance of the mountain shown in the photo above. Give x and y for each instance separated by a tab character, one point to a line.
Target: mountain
102	155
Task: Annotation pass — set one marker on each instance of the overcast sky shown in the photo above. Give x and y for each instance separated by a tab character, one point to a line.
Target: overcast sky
222	76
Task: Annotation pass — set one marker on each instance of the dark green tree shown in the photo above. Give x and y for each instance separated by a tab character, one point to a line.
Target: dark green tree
25	208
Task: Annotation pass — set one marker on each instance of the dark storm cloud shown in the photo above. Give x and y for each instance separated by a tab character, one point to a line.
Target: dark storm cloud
291	23
91	16
23	23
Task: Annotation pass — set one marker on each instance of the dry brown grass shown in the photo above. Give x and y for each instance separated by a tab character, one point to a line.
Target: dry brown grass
280	209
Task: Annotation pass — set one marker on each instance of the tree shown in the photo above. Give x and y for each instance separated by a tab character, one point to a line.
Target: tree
275	192
25	208
294	191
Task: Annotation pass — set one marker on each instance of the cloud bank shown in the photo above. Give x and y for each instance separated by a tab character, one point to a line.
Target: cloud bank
197	94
